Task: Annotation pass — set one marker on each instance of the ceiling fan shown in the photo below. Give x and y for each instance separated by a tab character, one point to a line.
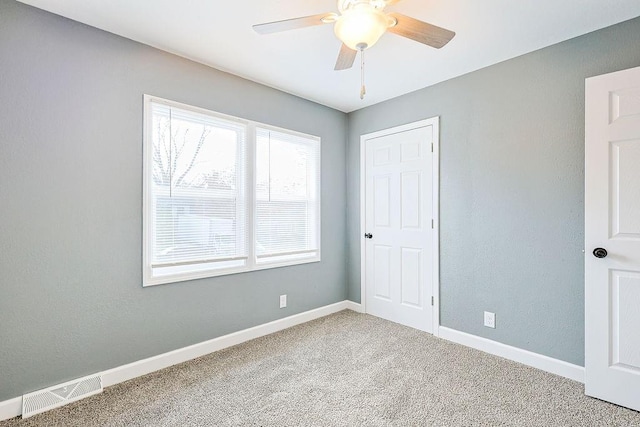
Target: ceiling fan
360	24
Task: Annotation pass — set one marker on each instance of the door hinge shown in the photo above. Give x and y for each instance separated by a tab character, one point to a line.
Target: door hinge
432	147
432	223
431	300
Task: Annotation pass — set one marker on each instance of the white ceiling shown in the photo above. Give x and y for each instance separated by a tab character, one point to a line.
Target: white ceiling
218	33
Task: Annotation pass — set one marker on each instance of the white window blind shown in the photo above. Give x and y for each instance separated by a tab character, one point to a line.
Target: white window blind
287	196
198	200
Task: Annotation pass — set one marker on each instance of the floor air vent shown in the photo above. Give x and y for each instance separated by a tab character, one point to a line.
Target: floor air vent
59	395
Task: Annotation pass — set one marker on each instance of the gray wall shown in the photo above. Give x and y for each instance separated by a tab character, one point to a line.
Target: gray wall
71	300
71	296
512	156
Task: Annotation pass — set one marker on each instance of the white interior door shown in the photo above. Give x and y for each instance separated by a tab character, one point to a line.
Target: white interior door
398	220
612	223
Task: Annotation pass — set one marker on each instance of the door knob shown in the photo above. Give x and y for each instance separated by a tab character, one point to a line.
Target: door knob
600	252
368	236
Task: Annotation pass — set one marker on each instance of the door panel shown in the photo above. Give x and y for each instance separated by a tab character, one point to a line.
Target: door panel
382	271
411	277
410	151
625	103
382	155
625	192
382	201
612	222
625	343
410	205
398	214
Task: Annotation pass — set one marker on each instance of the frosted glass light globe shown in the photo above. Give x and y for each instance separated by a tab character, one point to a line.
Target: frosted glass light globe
361	26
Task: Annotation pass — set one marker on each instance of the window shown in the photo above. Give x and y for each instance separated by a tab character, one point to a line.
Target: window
225	195
287	181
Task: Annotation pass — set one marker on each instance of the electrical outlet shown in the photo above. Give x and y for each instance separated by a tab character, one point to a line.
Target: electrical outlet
489	319
283	301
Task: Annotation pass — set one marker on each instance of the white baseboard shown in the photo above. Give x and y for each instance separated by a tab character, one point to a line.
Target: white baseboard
10	408
535	360
354	306
13	407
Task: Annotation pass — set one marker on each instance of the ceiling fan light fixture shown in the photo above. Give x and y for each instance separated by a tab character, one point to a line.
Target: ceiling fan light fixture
361	26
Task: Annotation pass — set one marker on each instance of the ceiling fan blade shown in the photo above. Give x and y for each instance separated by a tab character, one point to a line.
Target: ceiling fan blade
419	31
346	57
292	24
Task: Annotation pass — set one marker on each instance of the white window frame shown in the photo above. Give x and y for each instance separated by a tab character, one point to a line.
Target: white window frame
199	271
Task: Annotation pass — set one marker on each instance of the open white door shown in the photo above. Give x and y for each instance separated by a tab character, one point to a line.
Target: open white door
399	220
612	238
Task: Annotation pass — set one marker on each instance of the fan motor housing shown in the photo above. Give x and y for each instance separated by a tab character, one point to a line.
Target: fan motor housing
347	4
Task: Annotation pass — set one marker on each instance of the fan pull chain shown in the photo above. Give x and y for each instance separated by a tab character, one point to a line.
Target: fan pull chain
363	90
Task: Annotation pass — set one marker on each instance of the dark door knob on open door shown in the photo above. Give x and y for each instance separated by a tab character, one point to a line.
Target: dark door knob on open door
368	236
600	253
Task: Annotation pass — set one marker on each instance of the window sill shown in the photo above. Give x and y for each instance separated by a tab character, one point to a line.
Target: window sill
150	280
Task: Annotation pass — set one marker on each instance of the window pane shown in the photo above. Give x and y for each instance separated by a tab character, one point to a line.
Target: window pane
198	187
287	187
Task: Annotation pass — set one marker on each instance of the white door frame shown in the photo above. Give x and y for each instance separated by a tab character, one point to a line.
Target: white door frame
435	279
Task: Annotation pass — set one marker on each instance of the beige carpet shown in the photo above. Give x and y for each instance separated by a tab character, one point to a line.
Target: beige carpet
347	369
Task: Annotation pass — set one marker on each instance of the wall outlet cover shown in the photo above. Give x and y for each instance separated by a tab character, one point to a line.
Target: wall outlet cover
283	301
489	319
